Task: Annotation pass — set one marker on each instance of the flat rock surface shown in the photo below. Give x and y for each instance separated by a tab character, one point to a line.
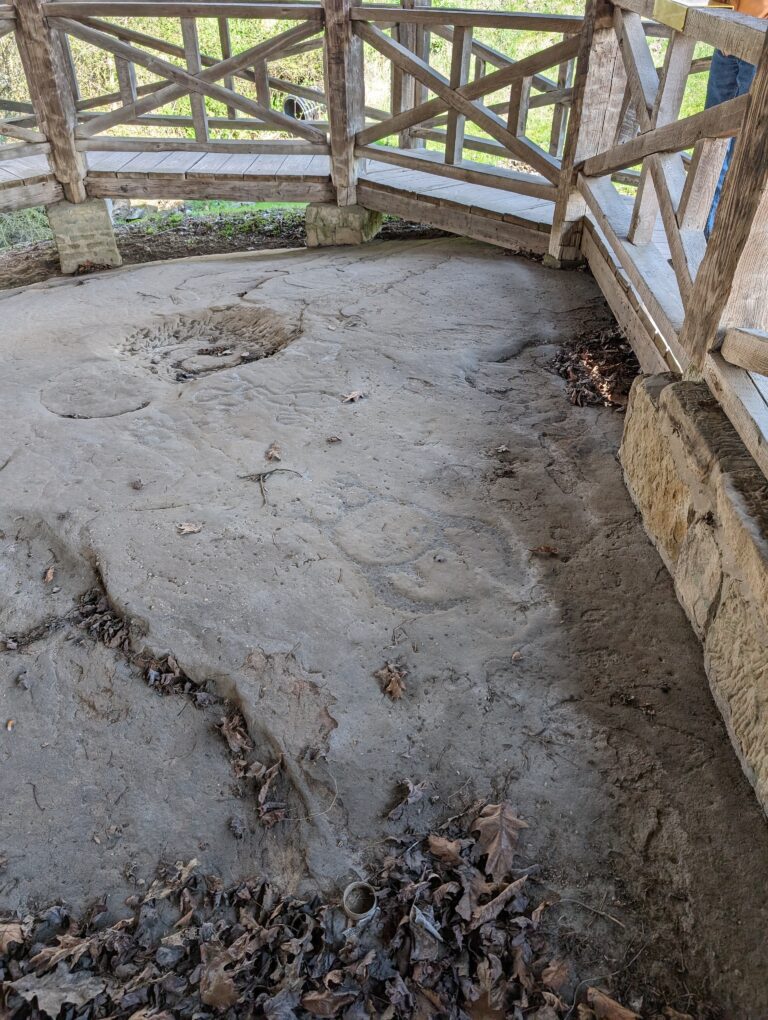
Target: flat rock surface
453	516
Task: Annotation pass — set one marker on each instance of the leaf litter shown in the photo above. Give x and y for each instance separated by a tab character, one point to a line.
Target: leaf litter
457	934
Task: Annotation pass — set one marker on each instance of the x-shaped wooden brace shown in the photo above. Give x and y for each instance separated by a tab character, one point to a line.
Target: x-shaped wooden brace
657	102
464	99
182	82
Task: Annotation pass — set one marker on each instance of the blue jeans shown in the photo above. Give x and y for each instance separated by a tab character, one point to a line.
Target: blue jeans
728	77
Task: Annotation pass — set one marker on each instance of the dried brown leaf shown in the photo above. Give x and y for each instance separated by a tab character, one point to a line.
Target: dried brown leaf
490	911
392	680
273	453
217	987
446	850
49	575
607	1008
10	932
188	528
555	974
498	826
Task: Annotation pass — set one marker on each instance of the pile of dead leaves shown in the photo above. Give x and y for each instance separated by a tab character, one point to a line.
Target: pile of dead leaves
96	616
599	368
456	935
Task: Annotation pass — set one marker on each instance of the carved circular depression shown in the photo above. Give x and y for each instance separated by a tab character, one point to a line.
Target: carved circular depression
185	347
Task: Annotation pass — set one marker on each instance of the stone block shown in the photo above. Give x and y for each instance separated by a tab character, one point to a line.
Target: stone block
330	225
83	233
704	504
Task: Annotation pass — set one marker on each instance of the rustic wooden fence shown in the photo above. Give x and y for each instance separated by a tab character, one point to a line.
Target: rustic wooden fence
628	178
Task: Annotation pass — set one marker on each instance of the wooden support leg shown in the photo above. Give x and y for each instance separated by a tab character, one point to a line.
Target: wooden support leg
345	89
45	67
599	88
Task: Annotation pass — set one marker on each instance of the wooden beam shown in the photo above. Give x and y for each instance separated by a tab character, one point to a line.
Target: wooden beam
598	90
194	66
472	173
747	349
43	59
723	121
147	144
182	9
345	92
461	54
516	21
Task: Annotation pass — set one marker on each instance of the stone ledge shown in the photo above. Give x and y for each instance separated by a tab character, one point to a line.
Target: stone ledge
704	504
330	225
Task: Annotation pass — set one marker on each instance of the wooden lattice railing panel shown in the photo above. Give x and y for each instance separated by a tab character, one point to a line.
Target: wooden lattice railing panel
228	96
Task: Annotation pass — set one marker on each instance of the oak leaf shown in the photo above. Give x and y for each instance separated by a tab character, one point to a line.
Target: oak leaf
498	826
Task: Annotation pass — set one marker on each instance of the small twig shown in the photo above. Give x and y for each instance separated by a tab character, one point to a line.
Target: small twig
34	794
586	906
260	476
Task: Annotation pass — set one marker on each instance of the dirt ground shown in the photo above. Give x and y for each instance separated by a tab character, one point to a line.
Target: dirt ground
440	507
175	236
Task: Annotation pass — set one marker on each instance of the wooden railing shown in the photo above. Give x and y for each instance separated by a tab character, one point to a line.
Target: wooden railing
629	166
705	298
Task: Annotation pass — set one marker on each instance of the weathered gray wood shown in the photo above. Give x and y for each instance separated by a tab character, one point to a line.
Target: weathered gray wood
184	82
645	265
646	341
126	80
723	121
180	9
11	130
147	144
43	60
516	21
194	66
519	101
746	348
30	195
491	82
457	99
453	218
665	110
562	105
701	182
477	173
461	55
742	401
731	288
598	91
345	92
247	190
225	42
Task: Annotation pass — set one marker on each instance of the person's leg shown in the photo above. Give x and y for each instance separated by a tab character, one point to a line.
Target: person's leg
728	77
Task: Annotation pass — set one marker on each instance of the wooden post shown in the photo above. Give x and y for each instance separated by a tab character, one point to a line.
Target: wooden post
731	288
345	93
195	66
461	54
598	92
44	61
